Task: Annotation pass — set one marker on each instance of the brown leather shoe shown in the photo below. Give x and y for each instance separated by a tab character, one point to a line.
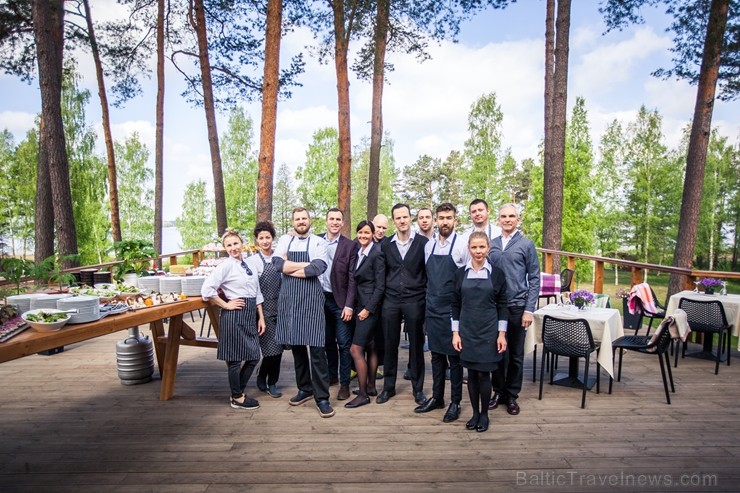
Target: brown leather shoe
495	401
343	393
512	407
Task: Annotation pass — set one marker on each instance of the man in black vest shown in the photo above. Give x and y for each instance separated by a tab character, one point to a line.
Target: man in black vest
405	292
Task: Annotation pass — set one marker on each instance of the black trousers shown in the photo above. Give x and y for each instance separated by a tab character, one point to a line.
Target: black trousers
239	375
312	375
270	369
440	362
412	315
507	379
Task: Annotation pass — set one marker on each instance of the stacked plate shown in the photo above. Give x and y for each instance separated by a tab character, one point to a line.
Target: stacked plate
23	301
149	283
88	308
47	301
191	285
87	276
170	284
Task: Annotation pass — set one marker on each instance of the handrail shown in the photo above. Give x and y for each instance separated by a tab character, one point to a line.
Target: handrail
636	268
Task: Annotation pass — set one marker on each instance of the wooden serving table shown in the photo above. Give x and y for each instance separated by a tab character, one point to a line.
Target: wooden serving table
166	345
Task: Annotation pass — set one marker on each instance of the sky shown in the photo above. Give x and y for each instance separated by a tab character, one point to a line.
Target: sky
425	105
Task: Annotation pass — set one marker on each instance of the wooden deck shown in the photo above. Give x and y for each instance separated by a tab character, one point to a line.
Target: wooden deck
67	424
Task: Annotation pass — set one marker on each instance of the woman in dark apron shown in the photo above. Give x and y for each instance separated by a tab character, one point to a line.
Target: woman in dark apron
272	352
241	319
478	304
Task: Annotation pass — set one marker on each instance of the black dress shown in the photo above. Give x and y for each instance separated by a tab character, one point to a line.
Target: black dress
370	283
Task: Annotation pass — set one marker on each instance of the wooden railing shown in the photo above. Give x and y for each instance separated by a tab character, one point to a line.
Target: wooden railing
637	268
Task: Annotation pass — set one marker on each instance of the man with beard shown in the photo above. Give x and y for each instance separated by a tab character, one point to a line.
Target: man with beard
338	283
444	255
301	258
405	286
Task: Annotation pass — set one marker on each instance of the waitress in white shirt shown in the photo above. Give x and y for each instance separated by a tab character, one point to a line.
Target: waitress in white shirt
241	320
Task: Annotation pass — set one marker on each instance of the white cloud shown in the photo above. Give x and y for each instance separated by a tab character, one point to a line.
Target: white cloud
17	122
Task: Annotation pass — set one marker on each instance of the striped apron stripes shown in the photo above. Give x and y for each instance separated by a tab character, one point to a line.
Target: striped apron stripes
301	319
270	287
237	338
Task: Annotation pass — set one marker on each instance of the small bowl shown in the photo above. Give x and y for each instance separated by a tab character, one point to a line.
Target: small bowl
43	326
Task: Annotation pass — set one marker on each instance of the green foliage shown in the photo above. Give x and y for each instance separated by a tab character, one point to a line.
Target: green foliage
17	202
87	173
49	270
239	163
609	200
134	255
483	153
319	176
283	200
135	193
360	170
195	223
14	270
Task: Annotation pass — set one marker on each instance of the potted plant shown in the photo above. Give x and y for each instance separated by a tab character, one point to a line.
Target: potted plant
134	256
14	270
49	271
581	298
710	284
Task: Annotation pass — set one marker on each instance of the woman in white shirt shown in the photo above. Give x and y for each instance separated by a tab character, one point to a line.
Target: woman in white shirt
241	319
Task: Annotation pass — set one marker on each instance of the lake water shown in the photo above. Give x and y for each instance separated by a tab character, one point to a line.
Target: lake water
171	240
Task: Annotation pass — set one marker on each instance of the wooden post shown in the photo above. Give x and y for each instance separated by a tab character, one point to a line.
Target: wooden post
636	275
599	277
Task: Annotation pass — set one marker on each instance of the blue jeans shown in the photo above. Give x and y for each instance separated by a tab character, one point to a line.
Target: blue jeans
338	340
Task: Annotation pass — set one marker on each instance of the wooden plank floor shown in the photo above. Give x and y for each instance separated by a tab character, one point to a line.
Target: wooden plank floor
67	424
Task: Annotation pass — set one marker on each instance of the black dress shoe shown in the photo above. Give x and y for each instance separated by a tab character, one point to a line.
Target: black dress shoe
482	424
472	423
420	398
453	412
512	407
430	405
495	401
407	375
385	396
262	383
357	402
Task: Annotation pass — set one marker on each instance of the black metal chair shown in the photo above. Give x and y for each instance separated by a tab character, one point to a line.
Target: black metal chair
707	317
659	315
566	277
657	344
632	321
571	338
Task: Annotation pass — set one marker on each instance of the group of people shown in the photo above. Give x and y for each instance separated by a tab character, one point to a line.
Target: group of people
341	306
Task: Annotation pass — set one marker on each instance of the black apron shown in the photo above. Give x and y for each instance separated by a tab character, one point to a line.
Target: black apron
440	285
301	319
270	287
479	325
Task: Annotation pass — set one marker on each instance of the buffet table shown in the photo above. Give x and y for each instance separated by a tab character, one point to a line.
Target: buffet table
166	345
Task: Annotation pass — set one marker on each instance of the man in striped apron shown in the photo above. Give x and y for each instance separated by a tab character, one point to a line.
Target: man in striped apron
302	258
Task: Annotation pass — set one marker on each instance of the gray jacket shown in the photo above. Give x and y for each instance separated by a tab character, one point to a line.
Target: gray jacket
522	269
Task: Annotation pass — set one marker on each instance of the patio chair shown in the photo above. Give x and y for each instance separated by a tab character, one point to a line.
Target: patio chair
549	287
571	338
566	278
657	344
659	315
708	317
632	321
601	301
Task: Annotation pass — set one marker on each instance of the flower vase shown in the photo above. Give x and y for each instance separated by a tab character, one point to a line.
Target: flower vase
708	290
580	304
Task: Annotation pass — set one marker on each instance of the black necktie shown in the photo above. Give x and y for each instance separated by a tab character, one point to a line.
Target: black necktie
246	267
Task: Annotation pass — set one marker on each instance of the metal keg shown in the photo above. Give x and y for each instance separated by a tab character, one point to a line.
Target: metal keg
135	357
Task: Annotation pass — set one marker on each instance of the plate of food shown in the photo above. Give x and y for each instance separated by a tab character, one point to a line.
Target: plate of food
155	299
46	319
114	308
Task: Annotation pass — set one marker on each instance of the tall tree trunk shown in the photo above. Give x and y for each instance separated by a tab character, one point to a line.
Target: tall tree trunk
696	157
549	84
376	129
270	88
44	220
115	221
199	24
48	28
555	169
344	160
159	134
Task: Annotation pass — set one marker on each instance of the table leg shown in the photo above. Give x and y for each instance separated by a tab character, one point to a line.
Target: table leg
172	352
572	379
157	330
706	351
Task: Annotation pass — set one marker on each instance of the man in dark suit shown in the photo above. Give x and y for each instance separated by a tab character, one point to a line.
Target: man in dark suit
405	291
338	282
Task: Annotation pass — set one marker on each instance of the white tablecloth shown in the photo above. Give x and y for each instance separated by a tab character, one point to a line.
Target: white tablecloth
730	302
605	323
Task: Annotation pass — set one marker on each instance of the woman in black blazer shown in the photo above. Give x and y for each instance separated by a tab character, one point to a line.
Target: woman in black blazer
370	283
